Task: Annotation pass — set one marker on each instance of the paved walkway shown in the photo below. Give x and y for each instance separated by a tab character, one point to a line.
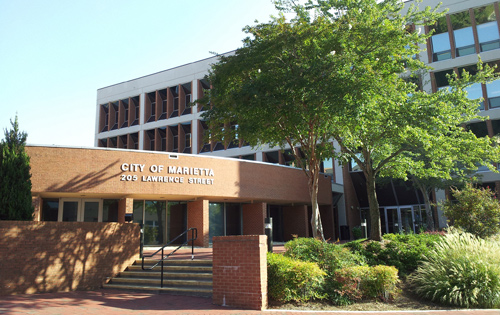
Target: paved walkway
104	302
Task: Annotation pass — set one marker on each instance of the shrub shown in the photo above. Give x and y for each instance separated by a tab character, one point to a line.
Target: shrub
461	270
329	257
293	280
357	233
360	282
403	251
477	211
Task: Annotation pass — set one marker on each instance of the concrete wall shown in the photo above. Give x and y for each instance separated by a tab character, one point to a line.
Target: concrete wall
39	257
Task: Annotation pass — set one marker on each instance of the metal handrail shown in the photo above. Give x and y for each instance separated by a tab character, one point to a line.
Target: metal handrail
194	236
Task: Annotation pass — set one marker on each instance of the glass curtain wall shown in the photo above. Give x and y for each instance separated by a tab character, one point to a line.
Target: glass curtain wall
224	219
152	214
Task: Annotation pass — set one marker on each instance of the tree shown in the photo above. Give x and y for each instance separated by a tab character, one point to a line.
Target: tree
15	177
277	90
344	73
476	210
384	122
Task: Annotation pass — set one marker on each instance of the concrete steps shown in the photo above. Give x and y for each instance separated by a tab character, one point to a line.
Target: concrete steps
183	277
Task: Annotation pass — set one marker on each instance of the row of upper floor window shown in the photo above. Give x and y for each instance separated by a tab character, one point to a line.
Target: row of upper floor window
158	105
490	92
464	33
172	138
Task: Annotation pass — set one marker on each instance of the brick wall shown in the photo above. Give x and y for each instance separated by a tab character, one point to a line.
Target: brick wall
198	217
240	271
63	256
97	171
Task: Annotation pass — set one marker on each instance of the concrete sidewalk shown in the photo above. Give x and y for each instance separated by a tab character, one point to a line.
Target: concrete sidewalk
120	302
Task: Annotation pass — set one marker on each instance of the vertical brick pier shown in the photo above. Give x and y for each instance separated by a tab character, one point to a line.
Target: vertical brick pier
240	271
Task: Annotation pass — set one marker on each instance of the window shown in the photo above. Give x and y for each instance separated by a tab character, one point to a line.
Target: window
479	129
463	34
135	110
175	93
203	87
487	28
186	88
134	141
149	141
272	157
163	137
114	107
125	113
151	97
289	158
475	91
110	210
224	219
123	142
353	165
103	143
163	97
104	117
205	138
175	138
186	130
249	157
113	142
442	79
50	209
440	41
493	92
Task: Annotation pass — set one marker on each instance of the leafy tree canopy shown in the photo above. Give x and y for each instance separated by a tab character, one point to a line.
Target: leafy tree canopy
343	70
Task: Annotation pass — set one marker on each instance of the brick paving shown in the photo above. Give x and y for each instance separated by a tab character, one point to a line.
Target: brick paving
106	302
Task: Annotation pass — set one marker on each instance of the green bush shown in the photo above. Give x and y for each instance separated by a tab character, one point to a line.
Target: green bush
293	280
403	251
477	211
329	257
362	282
462	270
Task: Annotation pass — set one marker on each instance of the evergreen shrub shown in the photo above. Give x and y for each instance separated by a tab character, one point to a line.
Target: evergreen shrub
329	257
293	280
403	251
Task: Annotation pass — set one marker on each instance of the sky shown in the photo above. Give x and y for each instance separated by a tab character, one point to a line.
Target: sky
55	54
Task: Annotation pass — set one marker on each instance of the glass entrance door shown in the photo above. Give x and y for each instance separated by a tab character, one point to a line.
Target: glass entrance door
392	220
406	219
152	214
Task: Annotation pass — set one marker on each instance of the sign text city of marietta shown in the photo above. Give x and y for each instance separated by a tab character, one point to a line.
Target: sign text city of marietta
173	171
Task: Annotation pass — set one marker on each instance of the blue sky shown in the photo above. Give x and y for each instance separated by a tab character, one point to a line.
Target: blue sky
55	54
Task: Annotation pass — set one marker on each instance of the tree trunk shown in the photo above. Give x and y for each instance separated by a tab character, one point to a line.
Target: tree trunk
375	229
317	226
428	210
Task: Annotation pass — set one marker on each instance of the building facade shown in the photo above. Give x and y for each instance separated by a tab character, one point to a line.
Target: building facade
171	192
155	114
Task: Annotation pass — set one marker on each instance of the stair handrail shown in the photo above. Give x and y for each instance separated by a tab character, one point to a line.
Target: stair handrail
194	236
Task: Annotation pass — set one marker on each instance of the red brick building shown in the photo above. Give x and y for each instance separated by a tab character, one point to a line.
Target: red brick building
171	192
